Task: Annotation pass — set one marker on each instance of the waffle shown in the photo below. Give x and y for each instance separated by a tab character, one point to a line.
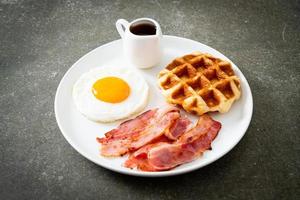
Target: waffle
200	83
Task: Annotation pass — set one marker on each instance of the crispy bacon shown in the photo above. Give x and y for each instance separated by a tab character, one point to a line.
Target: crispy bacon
129	127
164	156
135	133
178	128
117	141
154	130
139	158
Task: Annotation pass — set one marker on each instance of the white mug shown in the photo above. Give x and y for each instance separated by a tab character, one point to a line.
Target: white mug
143	51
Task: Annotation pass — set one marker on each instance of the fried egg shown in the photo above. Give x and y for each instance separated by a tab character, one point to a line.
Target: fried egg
108	94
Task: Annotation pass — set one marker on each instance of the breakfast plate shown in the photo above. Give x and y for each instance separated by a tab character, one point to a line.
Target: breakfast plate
81	133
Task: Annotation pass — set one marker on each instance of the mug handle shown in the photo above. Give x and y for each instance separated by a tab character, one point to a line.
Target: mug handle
121	26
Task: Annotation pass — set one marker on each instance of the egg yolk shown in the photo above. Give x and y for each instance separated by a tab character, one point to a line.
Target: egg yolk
111	89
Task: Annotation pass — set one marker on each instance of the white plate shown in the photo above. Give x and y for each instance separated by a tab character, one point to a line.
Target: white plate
81	133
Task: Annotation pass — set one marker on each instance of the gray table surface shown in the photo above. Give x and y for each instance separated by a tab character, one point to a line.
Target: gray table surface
40	40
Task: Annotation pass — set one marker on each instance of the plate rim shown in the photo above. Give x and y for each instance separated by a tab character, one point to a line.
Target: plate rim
142	173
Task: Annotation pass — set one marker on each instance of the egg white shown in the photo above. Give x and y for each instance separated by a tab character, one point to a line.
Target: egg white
100	111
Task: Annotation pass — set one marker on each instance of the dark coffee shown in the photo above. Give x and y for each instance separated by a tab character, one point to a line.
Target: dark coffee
143	28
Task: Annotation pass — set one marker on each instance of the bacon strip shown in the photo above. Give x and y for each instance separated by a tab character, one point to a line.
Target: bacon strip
154	130
178	128
129	127
135	133
117	141
164	156
139	158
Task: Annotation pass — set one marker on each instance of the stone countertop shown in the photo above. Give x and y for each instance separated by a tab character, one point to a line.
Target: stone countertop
40	40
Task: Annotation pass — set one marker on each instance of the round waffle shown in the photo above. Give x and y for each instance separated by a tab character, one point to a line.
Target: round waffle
200	83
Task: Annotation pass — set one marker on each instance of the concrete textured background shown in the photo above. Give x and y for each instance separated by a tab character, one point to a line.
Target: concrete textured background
40	40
